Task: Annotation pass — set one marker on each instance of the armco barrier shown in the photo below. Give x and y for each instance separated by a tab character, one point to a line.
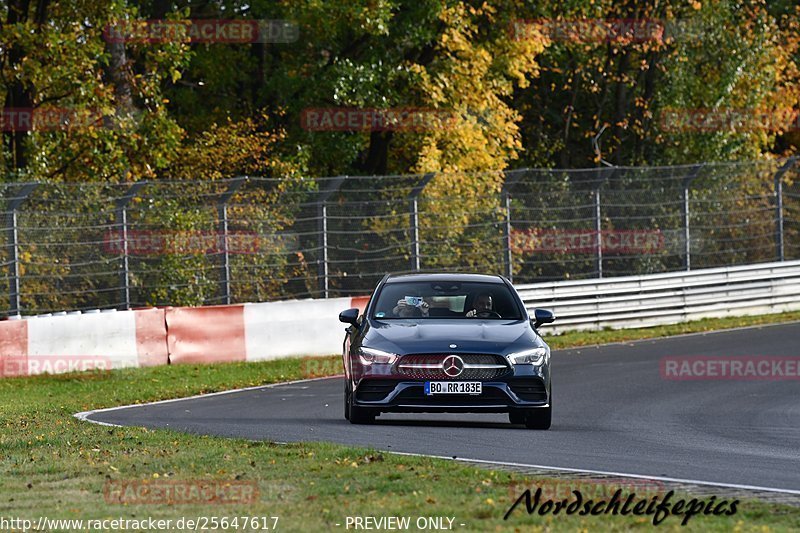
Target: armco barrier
261	331
106	340
214	334
256	331
658	299
299	327
174	335
13	348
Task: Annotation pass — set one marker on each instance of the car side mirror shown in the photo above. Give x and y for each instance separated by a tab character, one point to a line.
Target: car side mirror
350	316
542	316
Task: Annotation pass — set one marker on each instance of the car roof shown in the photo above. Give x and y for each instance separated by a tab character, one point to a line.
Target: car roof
484	278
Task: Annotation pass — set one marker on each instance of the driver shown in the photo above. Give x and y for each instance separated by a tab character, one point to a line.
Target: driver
482	304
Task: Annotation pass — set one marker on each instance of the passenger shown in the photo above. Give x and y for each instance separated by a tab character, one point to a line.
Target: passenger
403	309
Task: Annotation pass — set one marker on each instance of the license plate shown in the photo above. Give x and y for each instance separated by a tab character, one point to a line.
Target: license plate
452	387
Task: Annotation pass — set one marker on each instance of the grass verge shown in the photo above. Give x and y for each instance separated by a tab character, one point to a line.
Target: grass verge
586	338
56	466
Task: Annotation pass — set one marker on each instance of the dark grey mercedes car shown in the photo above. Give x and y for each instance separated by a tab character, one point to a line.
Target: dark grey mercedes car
447	343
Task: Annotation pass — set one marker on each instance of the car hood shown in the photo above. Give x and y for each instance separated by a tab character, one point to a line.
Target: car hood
436	336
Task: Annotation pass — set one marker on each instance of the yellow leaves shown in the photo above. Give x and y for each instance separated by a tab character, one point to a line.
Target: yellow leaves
471	78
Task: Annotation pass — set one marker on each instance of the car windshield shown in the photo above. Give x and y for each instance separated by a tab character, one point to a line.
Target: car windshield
446	299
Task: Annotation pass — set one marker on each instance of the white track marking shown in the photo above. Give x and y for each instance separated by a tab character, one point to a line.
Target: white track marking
86	414
605	473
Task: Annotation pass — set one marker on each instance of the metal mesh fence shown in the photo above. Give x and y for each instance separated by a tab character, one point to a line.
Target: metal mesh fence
77	246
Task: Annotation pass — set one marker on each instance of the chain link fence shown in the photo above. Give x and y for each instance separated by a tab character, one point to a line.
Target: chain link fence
80	246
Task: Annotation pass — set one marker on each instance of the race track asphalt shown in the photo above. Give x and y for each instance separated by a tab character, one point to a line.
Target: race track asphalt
613	412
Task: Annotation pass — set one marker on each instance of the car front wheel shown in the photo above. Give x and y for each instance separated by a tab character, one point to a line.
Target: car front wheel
356	414
539	418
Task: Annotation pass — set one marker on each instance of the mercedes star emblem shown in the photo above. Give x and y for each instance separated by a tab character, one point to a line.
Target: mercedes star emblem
453	365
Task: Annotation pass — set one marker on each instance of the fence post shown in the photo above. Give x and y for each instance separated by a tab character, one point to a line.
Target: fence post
687	242
605	175
222	215
779	247
122	221
13	243
508	260
414	219
322	217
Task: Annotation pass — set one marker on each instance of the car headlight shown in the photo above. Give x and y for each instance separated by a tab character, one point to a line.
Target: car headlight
370	356
534	356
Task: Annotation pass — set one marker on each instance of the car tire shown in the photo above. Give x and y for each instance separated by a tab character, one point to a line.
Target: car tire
356	414
346	403
540	418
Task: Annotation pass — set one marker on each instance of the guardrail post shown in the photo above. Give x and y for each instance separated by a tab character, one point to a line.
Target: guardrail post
779	246
222	216
508	259
322	217
12	240
122	222
687	242
414	219
605	175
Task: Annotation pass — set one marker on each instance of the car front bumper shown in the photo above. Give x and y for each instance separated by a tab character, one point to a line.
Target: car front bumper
400	395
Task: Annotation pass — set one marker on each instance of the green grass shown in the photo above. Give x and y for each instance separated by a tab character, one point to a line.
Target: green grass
55	465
